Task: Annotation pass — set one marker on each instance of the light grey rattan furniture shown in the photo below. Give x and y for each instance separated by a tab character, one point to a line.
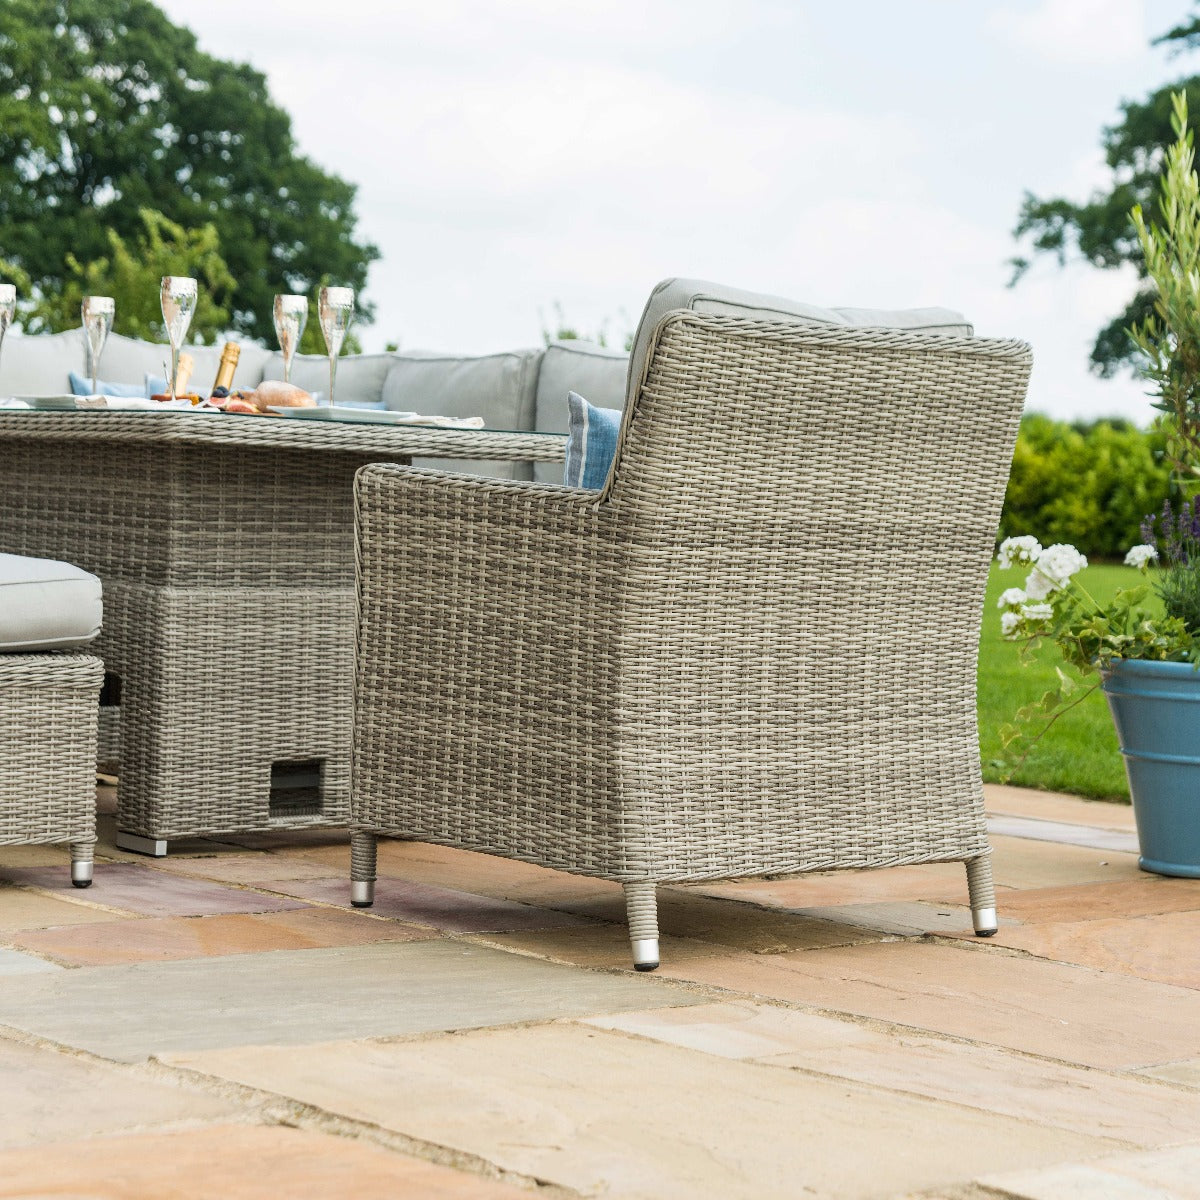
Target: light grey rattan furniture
48	707
226	548
753	652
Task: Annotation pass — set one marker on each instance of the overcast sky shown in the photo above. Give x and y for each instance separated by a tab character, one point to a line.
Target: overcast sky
515	154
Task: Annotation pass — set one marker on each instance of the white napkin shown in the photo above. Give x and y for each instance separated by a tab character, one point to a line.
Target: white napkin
439	422
14	404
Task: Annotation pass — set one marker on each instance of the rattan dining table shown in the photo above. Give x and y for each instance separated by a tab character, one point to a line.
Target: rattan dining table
226	548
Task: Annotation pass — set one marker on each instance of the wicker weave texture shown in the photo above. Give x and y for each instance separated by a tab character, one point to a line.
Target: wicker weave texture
754	652
48	748
227	555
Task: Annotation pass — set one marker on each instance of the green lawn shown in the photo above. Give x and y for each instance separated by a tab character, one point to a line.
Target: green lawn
1079	754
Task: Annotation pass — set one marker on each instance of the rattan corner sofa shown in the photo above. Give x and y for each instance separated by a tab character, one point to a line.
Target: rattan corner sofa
753	651
49	705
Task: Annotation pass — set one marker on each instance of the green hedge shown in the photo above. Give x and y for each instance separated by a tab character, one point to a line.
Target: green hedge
1087	483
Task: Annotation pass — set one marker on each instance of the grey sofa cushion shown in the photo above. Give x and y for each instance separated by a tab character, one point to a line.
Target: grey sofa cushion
46	605
500	388
40	365
702	297
129	360
359	376
594	372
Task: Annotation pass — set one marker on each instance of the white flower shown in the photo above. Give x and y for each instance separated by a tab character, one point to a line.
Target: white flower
1037	612
1012	598
1053	570
1008	624
1141	557
1018	551
1038	586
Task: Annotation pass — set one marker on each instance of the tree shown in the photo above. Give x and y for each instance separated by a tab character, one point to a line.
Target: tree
1099	229
108	109
131	277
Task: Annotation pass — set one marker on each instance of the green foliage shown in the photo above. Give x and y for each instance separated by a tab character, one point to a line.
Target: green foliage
565	332
1078	753
1169	339
1088	484
1098	229
131	275
1055	607
107	108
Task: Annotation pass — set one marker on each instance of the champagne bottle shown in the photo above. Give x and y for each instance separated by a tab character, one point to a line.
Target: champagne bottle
225	369
184	374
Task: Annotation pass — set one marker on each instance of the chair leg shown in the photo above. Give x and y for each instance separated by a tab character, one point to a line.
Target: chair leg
81	863
642	907
362	869
983	895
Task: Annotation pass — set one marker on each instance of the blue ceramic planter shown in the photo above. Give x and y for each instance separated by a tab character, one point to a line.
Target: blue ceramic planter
1156	709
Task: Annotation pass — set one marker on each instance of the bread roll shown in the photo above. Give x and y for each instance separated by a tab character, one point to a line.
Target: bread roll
274	392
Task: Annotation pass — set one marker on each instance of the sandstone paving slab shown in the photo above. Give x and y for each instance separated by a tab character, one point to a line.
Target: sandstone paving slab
468	871
50	1096
141	889
1054	806
1028	863
1172	1173
1064	1012
933	882
1059	831
296	997
13	962
423	904
609	1115
35	856
24	909
911	918
1123	1107
687	914
1164	947
1141	897
294	839
163	938
1185	1073
240	1162
247	866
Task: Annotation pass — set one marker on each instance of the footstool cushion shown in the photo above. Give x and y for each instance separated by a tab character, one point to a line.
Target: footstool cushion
46	605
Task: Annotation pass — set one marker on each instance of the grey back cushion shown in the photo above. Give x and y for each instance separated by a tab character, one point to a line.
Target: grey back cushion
39	366
129	360
593	372
500	388
700	296
359	376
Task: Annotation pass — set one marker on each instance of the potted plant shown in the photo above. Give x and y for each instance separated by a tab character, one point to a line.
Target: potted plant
1146	659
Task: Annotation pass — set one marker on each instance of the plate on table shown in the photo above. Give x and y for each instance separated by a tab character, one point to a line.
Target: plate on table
356	416
51	403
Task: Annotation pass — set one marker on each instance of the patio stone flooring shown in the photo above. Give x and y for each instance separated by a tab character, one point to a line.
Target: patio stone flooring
221	1022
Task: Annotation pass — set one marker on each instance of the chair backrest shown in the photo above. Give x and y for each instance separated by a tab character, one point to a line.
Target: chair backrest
804	517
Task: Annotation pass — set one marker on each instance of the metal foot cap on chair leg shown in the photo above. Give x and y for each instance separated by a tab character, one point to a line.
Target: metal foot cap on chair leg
984	920
362	893
81	874
645	954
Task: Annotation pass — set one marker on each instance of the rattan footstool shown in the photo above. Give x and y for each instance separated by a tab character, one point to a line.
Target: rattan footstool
49	705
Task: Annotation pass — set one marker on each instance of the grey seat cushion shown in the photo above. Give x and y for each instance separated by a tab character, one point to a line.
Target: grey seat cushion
700	296
40	365
594	372
46	605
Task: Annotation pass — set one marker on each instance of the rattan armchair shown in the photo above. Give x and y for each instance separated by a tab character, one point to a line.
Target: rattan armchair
753	652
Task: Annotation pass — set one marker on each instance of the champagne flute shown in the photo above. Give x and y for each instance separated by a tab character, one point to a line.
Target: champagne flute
8	308
97	314
291	315
335	307
178	295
